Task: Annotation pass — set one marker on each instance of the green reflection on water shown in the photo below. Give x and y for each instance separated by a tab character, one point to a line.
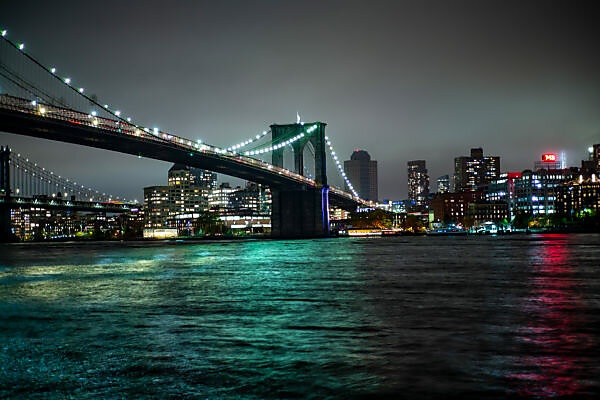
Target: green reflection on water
267	317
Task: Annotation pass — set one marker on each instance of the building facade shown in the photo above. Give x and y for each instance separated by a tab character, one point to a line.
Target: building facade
536	191
418	183
472	171
362	173
487	211
579	196
453	207
187	193
443	184
503	190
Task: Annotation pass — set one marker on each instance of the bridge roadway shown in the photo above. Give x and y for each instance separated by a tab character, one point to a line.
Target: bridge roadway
63	204
22	117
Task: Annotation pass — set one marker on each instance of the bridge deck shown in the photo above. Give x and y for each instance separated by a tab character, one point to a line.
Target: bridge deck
21	116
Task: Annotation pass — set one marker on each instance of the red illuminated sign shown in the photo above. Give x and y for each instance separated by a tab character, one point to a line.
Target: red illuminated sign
549	157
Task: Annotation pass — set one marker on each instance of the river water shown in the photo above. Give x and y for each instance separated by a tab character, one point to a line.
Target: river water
418	317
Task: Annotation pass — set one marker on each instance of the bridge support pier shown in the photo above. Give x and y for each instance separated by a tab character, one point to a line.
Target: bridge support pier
6	234
300	213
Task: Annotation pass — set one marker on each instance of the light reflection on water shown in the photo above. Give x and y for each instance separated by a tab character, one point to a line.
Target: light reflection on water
337	318
554	339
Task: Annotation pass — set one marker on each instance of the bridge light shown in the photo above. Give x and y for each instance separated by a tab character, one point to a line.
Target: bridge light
118	113
156	131
21	46
128	119
68	81
81	90
34	103
94	113
52	70
4	33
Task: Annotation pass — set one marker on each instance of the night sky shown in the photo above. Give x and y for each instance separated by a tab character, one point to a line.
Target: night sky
402	80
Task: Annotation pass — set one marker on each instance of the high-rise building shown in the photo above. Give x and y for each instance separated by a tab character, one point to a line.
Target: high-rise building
471	172
157	205
418	183
443	184
186	194
362	173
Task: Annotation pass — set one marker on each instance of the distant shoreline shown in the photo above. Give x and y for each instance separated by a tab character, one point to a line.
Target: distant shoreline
180	241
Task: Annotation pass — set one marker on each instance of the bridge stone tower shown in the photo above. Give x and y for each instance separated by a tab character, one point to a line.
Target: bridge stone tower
5	225
305	212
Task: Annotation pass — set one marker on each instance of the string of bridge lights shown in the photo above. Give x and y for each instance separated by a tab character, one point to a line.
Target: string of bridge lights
67	81
282	144
339	166
248	141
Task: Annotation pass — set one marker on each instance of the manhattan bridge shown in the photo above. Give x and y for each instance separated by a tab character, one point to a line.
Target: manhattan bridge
39	101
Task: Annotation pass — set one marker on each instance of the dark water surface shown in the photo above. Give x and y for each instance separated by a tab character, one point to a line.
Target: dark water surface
419	317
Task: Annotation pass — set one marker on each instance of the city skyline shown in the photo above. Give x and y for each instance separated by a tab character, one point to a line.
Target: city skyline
515	107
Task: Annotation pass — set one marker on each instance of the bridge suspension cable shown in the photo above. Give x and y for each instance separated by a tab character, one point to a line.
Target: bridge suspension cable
248	141
30	179
63	93
339	167
281	143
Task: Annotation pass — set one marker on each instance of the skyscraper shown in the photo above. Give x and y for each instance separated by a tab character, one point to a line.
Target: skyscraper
443	184
470	172
362	173
418	183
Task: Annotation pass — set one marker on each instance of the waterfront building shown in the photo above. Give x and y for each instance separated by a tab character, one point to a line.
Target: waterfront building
536	192
157	205
362	173
338	214
35	223
443	184
187	192
453	207
472	171
487	211
579	196
247	223
502	190
418	183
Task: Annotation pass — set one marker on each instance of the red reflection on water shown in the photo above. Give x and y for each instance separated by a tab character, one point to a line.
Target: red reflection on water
550	341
